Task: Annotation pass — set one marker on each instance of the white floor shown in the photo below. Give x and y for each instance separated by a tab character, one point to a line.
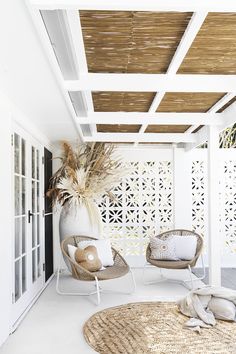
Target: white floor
54	324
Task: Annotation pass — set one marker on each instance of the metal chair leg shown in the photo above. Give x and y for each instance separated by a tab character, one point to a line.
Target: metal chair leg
160	280
182	282
191	276
98	291
60	292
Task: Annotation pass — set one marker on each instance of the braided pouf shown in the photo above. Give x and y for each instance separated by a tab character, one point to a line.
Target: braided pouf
154	327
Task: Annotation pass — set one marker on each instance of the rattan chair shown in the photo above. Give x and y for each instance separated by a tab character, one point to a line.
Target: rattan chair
119	269
165	264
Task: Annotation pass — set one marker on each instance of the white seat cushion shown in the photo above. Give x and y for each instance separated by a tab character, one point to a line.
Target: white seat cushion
185	247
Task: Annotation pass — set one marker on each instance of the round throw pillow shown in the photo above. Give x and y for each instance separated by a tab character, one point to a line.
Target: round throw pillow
88	258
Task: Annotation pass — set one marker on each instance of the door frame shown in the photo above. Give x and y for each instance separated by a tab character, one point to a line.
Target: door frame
20	307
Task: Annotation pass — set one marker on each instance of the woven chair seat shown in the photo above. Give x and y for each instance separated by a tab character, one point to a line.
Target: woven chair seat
111	272
119	269
170	264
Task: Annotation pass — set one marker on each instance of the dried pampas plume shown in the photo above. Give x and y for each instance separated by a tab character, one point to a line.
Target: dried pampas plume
86	174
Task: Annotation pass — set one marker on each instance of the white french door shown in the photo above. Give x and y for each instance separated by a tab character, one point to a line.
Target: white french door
28	277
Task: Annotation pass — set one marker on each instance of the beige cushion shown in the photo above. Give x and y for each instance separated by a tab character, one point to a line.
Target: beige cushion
88	258
222	309
163	249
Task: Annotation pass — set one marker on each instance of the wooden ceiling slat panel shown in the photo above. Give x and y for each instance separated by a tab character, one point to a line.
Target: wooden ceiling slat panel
166	128
214	48
122	101
118	128
131	42
189	101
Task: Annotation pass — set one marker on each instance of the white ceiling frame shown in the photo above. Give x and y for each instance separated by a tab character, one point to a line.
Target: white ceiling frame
81	61
137	5
41	31
201	137
149	82
187	39
153	83
147	137
158	118
228	117
219	104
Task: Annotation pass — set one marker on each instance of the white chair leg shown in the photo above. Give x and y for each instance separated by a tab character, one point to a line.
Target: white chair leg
204	269
133	281
191	276
60	292
98	291
160	280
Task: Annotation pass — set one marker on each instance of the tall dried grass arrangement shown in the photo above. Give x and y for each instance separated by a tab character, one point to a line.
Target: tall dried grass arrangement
86	174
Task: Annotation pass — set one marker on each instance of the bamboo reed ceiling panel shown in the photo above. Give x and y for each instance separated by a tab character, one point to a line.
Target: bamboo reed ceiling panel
214	48
188	101
131	42
122	101
166	128
227	105
118	128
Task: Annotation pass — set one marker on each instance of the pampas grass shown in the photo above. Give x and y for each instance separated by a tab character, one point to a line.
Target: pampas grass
86	174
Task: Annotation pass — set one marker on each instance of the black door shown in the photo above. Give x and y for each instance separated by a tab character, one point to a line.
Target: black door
48	216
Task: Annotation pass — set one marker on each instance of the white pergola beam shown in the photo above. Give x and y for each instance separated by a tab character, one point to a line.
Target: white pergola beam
228	117
187	39
151	118
201	137
153	83
219	104
189	35
81	61
134	5
147	137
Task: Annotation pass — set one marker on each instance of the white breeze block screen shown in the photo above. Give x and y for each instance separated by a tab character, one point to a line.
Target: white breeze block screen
148	201
143	206
227	201
199	195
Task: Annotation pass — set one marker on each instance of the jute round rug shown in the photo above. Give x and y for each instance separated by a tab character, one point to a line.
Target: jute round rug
154	327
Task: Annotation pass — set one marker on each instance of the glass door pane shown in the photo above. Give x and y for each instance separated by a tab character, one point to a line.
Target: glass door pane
19	217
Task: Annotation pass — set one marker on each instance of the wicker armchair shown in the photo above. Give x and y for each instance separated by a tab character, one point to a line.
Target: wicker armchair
182	264
119	269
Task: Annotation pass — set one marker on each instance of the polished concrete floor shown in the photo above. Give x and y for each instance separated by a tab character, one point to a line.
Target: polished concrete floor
54	324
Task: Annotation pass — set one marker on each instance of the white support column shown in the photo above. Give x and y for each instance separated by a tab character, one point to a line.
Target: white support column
214	244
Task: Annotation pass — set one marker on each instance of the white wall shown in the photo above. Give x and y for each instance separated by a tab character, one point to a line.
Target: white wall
5	219
26	75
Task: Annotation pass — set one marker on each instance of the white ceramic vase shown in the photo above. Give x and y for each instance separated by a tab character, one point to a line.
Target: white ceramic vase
77	221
